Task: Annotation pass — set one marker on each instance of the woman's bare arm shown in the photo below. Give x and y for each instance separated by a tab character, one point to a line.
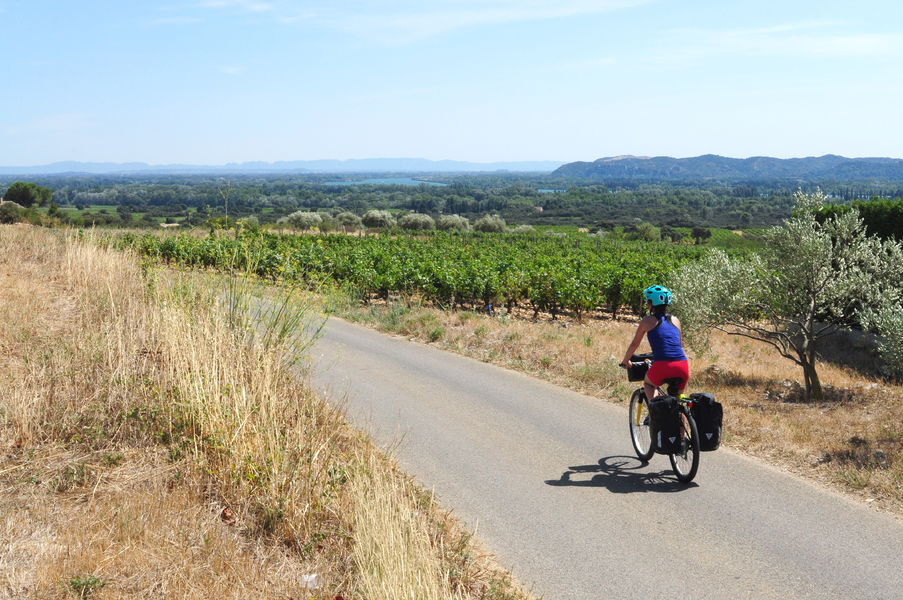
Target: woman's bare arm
645	325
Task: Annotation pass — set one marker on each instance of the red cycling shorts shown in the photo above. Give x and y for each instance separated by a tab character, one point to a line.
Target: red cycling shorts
669	369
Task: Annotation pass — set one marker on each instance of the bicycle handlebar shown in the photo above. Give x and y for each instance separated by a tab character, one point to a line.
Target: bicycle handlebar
638	360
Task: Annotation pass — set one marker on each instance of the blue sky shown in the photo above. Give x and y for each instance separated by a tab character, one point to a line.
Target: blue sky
217	81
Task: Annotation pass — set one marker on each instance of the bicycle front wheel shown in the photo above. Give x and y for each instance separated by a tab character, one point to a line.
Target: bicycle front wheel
686	462
638	412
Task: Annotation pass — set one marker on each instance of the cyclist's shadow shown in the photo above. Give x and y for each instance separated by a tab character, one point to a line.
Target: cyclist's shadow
621	475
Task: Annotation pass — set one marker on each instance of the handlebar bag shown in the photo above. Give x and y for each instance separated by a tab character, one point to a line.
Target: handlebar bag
637	372
708	414
664	425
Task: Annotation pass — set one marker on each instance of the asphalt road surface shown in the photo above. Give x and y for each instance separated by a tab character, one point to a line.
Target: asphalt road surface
549	480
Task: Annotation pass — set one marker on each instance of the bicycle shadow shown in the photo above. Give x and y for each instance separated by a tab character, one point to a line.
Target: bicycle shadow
621	475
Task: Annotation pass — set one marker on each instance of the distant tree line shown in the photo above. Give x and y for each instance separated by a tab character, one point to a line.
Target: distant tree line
883	217
518	199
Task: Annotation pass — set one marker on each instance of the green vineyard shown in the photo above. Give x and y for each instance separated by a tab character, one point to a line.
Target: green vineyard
545	273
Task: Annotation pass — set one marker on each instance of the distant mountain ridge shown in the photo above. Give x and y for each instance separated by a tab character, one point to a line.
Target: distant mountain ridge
710	166
362	165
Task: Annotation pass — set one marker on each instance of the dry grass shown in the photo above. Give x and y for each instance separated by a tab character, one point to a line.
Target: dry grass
154	443
128	531
408	570
852	442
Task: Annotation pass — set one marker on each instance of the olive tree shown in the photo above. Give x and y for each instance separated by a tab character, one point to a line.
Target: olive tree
490	224
378	218
349	220
812	278
453	222
417	221
888	323
302	220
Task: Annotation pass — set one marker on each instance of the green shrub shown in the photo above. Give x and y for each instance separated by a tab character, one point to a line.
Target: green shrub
10	212
85	585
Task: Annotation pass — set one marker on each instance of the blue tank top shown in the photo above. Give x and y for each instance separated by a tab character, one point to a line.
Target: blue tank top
665	341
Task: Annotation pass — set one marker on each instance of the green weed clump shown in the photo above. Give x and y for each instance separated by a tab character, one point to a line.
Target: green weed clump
83	586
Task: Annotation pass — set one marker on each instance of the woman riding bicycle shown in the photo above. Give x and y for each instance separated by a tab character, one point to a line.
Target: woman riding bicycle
663	330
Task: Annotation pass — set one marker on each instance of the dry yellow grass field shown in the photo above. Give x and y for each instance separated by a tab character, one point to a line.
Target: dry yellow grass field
853	442
155	443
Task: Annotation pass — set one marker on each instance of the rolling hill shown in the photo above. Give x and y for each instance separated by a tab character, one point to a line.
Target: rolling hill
710	166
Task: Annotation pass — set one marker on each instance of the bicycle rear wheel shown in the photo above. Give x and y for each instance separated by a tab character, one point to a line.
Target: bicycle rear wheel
638	413
686	462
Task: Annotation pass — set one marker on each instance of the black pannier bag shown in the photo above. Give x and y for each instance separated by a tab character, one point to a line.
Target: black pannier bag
638	371
708	415
664	425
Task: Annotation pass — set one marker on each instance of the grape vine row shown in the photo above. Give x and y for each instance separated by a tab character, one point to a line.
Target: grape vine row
546	273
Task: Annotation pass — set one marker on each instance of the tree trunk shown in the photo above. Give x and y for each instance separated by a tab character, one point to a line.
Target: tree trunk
814	392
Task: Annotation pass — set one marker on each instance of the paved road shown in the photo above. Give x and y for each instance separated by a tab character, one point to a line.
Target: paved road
548	478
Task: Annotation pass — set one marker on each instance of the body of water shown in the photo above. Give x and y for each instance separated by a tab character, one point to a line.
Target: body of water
387	181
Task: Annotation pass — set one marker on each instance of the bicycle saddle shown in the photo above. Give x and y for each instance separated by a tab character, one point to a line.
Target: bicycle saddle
674	384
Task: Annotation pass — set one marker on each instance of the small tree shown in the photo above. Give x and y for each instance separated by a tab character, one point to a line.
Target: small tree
700	234
349	220
327	222
417	222
378	218
490	224
302	220
453	222
644	231
809	280
668	233
28	194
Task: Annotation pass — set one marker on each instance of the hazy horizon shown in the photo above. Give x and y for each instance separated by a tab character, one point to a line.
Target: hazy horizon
212	82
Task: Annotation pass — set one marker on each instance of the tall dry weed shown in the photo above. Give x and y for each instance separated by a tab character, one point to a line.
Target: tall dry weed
155	441
394	559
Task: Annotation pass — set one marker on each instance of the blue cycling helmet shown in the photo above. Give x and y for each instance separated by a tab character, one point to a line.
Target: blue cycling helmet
657	295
